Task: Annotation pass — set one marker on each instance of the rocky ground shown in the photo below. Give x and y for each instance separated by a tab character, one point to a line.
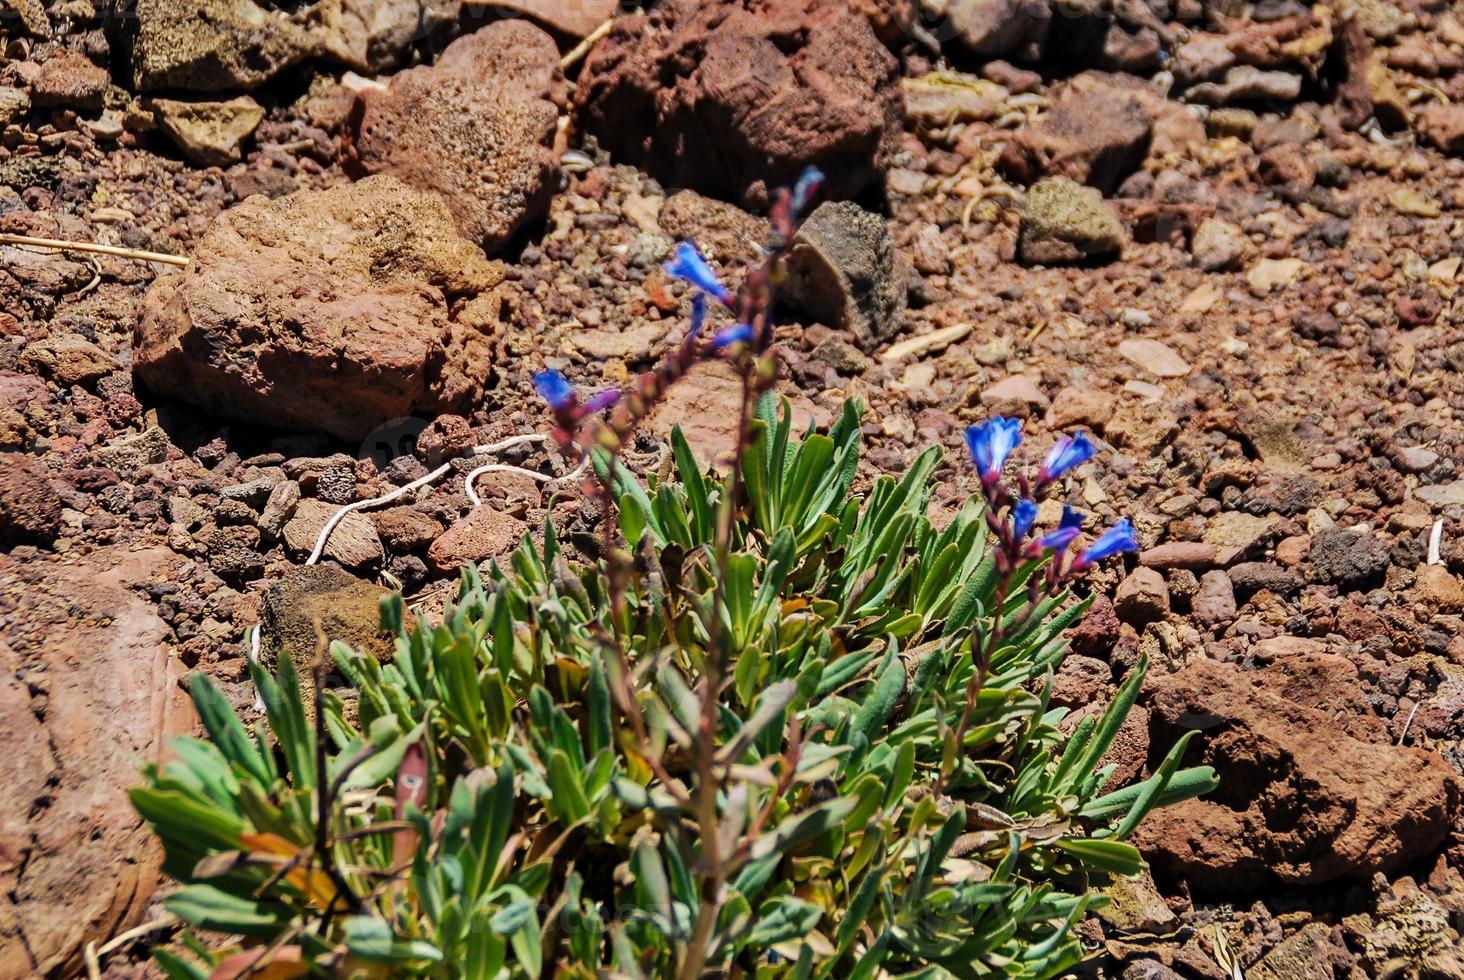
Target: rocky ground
1220	236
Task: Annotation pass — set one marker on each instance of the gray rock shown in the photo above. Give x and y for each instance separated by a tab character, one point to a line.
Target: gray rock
211	45
1063	221
1218	245
279	508
1348	558
14	103
844	271
129	454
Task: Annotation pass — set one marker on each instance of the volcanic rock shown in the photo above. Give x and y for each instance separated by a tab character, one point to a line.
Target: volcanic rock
477	128
735	98
1303	802
335	310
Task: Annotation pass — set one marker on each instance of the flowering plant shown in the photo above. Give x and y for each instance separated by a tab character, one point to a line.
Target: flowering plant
776	729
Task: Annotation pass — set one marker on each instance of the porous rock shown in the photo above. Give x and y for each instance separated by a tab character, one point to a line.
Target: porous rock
30	508
210	45
209	133
1063	221
844	271
321	600
736	97
1303	801
477	128
89	689
335	310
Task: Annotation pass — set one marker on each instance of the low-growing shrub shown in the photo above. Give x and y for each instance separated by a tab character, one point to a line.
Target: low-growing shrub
775	728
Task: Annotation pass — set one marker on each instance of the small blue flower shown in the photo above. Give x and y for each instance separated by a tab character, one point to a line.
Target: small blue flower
555	389
1116	540
807	186
1067	454
1024	515
698	316
1067	532
990	443
738	333
688	265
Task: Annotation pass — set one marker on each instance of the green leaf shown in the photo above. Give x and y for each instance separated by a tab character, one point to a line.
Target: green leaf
783	919
1112	856
371	939
212	908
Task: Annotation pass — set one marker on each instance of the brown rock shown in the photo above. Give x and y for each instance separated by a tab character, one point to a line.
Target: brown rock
406	528
353	541
1214	604
88	690
573	17
1073	406
707	403
210	45
1080	681
30	508
1063	221
68	359
477	128
1093	137
1193	555
334	310
1302	801
1443	126
70	80
995	28
210	133
1440	588
1142	597
736	97
373	35
483	534
314	600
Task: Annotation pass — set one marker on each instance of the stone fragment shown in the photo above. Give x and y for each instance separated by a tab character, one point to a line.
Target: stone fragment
1063	221
353	542
483	534
210	45
844	272
321	600
210	133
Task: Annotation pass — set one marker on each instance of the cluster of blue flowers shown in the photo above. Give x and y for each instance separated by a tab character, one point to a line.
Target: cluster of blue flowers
991	444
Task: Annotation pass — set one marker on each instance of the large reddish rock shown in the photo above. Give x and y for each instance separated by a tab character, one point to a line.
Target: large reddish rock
88	691
477	128
335	310
30	508
1303	800
735	97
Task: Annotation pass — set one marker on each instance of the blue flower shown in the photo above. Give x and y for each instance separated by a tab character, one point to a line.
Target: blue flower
807	186
990	443
1024	515
1068	453
698	316
1067	531
688	265
601	400
738	333
1114	541
555	389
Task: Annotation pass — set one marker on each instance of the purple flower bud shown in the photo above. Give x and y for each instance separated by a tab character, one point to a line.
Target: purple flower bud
990	443
601	400
1024	515
1068	453
738	333
1116	540
1058	541
688	265
555	389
